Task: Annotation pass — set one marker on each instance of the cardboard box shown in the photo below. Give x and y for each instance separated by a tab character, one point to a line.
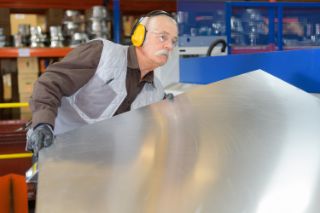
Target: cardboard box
32	19
25	110
25	116
25	82
54	17
24	98
127	24
7	86
28	65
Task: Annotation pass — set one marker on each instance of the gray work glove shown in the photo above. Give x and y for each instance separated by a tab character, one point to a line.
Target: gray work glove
39	137
168	96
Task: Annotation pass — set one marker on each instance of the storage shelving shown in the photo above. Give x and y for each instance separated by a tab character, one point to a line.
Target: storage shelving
287	25
11	52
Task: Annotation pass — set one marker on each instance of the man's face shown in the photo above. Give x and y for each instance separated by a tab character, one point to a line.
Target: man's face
160	40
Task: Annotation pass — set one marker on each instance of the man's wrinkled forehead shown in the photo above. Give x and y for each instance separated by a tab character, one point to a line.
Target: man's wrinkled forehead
163	23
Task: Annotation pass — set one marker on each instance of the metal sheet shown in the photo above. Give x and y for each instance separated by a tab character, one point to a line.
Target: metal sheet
248	144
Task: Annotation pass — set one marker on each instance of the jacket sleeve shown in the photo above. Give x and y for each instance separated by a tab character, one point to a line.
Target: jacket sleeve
63	79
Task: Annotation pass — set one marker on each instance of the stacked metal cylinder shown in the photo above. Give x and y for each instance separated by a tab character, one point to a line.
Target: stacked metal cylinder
37	37
97	23
56	36
73	28
22	37
2	38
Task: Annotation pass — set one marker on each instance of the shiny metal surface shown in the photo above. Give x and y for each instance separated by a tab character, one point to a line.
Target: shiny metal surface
248	144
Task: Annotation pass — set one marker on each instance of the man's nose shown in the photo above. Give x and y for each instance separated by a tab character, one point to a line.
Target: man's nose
169	45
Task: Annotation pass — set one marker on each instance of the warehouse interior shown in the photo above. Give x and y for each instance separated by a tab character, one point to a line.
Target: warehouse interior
236	129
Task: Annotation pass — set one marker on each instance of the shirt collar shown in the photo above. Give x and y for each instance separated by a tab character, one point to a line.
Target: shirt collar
132	58
148	77
133	64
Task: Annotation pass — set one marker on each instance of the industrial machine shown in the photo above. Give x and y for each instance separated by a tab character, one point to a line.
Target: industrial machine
197	46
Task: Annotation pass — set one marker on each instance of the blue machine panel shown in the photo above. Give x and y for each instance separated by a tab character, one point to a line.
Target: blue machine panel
300	68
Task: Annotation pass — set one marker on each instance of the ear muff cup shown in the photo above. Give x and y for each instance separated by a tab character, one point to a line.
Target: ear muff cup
139	31
138	35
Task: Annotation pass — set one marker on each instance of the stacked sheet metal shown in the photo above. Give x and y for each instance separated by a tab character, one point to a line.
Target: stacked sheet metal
248	144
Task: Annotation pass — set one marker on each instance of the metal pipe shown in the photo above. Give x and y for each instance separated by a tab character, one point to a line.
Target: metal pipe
15	155
14	105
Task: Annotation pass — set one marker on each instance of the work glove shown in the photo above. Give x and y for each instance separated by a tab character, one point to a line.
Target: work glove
168	96
39	137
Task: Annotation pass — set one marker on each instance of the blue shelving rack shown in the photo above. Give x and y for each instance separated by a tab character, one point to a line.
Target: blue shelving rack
275	15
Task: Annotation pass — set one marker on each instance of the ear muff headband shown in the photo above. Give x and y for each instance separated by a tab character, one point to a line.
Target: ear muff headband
139	31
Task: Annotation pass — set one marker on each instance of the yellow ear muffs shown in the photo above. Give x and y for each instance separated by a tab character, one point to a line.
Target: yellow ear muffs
138	35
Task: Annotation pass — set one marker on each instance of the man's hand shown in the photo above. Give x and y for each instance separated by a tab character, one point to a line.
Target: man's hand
168	96
39	137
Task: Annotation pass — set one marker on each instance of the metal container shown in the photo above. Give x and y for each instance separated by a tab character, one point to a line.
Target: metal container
99	12
56	36
22	38
72	22
78	38
37	37
2	38
97	26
